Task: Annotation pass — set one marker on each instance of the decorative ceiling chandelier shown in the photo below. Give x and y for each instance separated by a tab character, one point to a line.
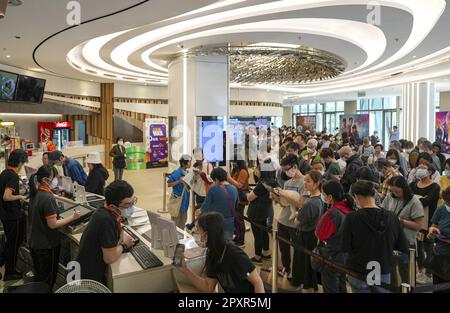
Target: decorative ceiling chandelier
277	65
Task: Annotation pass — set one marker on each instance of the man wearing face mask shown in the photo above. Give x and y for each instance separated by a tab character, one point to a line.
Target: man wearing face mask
388	171
311	154
104	241
72	168
354	163
427	147
119	158
10	212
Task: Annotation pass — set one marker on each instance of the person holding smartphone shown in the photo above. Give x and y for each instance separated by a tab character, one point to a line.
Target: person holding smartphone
43	237
226	264
104	241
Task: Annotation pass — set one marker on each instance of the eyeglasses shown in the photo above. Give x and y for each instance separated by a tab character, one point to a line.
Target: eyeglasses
130	204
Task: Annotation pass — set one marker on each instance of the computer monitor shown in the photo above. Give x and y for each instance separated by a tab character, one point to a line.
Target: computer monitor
154	234
168	233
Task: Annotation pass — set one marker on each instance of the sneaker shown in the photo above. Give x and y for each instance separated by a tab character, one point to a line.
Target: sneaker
281	271
423	279
255	260
289	276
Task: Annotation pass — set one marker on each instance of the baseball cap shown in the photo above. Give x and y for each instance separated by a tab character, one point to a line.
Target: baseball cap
55	155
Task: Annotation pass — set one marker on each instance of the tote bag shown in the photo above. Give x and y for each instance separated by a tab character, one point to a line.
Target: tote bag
174	204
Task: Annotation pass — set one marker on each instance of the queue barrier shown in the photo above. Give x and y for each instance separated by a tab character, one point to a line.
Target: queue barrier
164	208
338	267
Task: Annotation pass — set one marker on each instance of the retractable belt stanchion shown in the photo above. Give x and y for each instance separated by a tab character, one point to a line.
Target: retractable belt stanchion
412	268
164	209
274	261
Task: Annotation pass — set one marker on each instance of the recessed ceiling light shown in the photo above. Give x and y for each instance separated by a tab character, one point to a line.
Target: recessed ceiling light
8	56
414	56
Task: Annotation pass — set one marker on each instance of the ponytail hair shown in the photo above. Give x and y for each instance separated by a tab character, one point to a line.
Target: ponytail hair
334	189
45	171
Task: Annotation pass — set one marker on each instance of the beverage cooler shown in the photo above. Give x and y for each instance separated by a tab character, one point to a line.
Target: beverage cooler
57	132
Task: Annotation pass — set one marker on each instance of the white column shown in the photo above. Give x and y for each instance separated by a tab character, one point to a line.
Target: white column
198	86
418	111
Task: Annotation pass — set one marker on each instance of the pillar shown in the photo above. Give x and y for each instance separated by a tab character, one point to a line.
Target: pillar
106	125
444	101
287	115
350	107
198	87
418	111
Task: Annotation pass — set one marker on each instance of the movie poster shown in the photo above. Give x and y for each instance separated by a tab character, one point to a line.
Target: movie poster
442	129
355	125
157	142
306	122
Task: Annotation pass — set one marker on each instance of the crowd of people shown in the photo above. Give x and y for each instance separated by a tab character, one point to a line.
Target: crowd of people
344	197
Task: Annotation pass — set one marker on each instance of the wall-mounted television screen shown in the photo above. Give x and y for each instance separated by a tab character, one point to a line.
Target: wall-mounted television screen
8	84
30	89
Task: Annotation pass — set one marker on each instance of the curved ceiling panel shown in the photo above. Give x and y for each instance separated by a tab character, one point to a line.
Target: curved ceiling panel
138	52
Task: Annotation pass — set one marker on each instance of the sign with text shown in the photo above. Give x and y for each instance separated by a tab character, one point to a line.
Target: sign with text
156	142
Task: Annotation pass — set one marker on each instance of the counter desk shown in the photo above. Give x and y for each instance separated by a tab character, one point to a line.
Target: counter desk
126	275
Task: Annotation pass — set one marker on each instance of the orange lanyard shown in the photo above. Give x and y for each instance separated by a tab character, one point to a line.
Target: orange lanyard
116	216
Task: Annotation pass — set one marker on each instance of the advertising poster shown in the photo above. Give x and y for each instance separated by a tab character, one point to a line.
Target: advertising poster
156	142
306	122
442	129
212	139
355	124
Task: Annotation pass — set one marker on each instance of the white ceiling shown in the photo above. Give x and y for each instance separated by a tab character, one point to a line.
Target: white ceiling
37	20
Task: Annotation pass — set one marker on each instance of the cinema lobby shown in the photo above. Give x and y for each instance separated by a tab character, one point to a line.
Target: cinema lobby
224	146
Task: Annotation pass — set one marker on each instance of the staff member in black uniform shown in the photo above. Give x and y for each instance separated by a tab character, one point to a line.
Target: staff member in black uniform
10	212
103	241
43	237
98	174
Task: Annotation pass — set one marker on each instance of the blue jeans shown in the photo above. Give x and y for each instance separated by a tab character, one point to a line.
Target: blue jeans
359	286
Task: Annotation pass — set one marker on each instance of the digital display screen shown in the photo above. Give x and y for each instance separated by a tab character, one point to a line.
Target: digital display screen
30	89
8	84
212	139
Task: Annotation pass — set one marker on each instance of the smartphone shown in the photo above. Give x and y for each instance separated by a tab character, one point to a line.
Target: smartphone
179	250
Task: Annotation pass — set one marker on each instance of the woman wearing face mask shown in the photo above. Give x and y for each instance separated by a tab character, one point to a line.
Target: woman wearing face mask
388	170
98	175
225	264
412	177
291	199
260	208
306	221
393	157
44	240
444	180
119	158
329	233
428	192
409	210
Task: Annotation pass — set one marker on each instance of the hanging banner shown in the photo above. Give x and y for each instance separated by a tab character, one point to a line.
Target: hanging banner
156	142
306	122
442	130
355	125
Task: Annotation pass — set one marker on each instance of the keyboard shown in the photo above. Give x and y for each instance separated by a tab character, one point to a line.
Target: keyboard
145	257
